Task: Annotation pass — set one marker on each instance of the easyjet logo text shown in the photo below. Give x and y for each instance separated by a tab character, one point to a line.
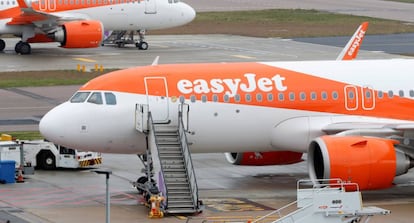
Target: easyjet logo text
231	87
356	42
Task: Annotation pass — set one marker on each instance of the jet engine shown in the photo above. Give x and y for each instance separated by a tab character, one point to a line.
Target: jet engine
372	163
264	158
79	34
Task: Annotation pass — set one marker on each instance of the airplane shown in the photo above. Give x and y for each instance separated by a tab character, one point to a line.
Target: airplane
81	23
353	118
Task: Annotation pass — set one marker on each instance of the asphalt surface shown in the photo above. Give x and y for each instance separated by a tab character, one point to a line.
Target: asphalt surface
372	8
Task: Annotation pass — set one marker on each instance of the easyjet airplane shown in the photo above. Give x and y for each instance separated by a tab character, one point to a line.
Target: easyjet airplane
353	118
81	23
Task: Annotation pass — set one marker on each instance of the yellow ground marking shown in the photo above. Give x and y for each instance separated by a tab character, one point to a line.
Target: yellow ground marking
84	59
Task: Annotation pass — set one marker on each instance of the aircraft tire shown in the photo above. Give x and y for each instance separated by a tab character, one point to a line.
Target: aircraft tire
2	45
142	45
25	48
18	46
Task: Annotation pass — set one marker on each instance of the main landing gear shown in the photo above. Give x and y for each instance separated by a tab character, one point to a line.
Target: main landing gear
20	48
23	48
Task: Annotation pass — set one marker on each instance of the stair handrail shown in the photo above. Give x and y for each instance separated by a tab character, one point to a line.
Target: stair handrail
151	122
341	185
192	179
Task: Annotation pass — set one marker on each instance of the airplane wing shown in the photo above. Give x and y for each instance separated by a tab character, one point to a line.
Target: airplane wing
351	49
43	20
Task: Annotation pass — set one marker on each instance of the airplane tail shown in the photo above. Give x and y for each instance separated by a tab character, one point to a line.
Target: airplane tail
351	49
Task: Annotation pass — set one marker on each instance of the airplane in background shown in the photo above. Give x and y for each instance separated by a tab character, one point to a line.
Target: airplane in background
354	119
81	23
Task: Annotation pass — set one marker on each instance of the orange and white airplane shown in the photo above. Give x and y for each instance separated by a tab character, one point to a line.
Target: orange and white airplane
353	118
81	23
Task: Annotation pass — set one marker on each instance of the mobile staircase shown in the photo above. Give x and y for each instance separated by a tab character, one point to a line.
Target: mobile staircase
325	202
168	152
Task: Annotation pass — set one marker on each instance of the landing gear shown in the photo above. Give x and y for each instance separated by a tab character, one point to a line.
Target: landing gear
142	45
23	48
2	45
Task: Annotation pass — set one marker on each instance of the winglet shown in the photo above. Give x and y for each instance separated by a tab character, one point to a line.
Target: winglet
155	62
351	49
23	4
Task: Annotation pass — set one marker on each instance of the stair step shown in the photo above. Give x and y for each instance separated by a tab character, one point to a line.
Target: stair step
181	206
180	211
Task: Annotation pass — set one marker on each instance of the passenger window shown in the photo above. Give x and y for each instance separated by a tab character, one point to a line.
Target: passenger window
110	98
95	98
226	98
401	93
292	96
351	95
302	96
335	95
79	97
390	94
270	97
259	97
368	94
193	98
248	97
215	98
313	95
380	94
324	95
182	99
411	93
281	97
237	98
204	98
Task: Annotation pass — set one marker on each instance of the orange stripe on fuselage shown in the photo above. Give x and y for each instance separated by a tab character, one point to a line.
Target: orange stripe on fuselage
252	79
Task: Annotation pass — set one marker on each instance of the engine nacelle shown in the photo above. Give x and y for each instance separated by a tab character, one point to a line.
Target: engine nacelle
372	163
79	34
264	158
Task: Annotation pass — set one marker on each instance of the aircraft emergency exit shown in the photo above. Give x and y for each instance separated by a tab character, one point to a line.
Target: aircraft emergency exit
353	118
81	23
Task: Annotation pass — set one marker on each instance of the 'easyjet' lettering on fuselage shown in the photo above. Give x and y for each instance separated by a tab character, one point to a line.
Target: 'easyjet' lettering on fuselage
232	86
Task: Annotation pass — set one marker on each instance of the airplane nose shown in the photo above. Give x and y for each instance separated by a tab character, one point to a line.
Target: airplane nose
188	12
50	125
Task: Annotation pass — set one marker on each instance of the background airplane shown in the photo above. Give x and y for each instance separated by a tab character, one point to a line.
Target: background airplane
353	118
81	23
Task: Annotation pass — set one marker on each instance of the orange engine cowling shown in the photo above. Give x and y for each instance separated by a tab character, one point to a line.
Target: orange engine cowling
79	34
264	158
372	163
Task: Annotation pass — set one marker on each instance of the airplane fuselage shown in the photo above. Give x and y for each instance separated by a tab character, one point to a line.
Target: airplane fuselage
119	15
237	107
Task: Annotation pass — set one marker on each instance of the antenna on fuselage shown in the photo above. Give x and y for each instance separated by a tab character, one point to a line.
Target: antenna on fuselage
155	62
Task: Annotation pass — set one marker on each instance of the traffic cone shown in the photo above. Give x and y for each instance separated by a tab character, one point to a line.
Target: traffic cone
20	178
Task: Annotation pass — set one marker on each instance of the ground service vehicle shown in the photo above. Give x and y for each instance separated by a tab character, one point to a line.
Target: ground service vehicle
46	155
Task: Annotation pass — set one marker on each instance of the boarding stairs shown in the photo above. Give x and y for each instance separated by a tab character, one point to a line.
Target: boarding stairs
325	202
169	148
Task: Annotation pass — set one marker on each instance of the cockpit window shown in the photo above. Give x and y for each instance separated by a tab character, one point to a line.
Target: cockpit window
110	98
95	98
79	97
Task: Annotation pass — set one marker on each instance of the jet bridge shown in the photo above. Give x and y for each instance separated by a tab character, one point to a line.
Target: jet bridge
168	163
